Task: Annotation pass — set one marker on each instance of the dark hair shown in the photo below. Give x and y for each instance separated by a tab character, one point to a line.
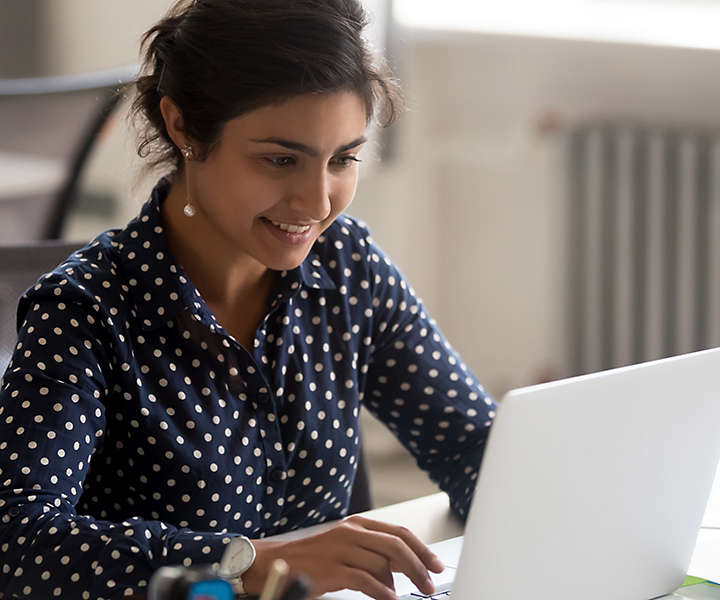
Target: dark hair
218	59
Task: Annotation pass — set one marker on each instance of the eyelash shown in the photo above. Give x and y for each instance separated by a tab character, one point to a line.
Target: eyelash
285	161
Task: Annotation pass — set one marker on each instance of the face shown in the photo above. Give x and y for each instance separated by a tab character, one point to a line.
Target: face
280	175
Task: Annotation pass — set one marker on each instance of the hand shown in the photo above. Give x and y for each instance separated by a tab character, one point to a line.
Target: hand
358	554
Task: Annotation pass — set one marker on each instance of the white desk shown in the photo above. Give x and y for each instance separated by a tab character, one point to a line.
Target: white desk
429	517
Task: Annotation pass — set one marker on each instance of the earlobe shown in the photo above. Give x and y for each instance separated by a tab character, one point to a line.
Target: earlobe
173	121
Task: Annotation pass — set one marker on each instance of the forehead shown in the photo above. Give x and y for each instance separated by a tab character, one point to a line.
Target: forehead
325	121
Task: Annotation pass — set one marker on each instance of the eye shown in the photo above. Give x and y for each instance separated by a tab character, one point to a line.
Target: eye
345	161
280	161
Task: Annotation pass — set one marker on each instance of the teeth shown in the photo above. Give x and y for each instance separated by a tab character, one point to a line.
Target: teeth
291	228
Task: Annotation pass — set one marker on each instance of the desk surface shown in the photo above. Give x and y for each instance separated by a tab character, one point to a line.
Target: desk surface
429	518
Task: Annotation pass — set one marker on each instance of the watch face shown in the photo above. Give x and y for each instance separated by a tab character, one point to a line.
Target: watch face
238	557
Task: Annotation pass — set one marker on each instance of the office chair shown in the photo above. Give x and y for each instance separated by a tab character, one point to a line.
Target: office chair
360	498
49	127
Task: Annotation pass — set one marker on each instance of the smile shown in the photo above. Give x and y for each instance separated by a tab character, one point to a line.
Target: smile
291	228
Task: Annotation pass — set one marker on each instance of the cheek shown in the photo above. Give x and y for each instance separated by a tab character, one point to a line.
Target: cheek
344	194
237	195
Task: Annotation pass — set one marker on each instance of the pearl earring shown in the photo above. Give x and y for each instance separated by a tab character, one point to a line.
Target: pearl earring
189	209
188	154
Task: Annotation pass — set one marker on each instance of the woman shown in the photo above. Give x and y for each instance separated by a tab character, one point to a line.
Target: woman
197	376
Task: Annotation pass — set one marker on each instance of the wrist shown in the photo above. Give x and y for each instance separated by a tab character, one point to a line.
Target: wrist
265	552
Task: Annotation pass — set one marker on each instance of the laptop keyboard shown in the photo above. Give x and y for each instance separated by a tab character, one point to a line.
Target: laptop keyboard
442	592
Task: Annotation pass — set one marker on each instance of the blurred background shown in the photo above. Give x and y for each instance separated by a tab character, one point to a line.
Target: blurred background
552	191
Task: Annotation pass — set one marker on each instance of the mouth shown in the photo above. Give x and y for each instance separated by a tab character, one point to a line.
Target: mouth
290	233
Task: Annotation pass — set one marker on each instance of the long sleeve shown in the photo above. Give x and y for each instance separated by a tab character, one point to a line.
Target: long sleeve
52	421
418	385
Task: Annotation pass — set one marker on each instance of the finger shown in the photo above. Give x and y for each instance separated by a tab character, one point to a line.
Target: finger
428	558
399	554
372	562
362	581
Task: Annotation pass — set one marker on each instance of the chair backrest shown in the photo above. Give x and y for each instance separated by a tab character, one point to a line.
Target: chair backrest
361	497
20	267
49	126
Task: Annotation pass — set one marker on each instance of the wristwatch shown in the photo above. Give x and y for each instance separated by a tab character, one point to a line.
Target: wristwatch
238	558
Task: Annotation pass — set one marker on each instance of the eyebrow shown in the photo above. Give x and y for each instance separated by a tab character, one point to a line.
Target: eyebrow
290	145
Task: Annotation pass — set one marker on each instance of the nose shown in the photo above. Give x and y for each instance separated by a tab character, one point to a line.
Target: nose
310	197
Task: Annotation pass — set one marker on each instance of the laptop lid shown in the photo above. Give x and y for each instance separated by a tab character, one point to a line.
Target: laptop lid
594	487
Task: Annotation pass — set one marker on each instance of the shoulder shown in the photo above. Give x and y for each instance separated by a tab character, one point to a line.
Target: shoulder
355	262
90	274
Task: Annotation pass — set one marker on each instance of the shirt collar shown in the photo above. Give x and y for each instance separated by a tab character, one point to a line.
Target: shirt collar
161	288
312	274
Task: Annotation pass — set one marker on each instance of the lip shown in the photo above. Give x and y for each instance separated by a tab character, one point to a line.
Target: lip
286	236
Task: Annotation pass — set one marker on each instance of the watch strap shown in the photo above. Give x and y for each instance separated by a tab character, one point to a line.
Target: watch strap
236	578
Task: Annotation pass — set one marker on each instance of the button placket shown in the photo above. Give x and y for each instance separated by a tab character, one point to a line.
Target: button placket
266	411
276	473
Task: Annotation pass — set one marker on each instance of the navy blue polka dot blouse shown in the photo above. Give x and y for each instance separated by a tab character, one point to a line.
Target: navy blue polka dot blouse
136	432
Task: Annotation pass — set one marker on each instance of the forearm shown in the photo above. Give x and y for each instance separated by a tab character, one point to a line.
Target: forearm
457	475
49	550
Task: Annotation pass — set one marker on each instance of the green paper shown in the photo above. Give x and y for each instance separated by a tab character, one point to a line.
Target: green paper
690	580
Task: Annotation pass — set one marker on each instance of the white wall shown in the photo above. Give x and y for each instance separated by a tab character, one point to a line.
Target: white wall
87	35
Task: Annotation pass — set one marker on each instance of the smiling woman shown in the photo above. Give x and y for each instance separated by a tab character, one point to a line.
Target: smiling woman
194	380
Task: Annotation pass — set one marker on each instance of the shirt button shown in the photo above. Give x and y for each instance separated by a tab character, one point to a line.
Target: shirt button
14	511
276	475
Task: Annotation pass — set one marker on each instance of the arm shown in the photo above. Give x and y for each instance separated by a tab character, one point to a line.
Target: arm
52	423
419	387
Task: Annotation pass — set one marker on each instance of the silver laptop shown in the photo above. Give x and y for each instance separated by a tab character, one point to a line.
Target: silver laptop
592	487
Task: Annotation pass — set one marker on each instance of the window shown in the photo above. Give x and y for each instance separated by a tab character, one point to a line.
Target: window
688	23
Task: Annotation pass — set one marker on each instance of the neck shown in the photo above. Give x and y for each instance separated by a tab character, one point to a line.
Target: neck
221	274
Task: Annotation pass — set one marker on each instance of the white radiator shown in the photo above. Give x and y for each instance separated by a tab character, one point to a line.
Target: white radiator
644	242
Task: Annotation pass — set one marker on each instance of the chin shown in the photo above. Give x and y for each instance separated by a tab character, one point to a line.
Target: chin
284	263
283	258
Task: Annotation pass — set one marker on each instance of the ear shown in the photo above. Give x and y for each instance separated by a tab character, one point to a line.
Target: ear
173	122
